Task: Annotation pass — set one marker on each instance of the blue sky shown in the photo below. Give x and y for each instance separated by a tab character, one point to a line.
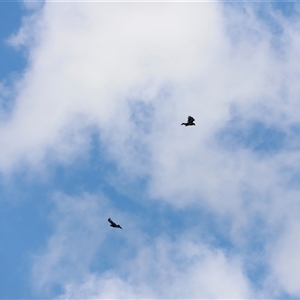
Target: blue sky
92	97
11	16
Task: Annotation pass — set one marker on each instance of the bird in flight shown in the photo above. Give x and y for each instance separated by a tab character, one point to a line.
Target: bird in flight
190	121
113	224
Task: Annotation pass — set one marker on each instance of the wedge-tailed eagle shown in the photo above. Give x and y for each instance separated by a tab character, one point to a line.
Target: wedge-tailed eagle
113	224
190	121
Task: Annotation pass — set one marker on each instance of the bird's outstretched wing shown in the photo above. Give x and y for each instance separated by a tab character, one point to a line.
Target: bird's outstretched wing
112	222
190	119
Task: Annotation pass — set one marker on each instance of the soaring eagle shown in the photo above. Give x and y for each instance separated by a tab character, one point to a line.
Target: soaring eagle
113	224
190	121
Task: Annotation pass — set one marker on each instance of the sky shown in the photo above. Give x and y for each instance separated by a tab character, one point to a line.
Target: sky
92	97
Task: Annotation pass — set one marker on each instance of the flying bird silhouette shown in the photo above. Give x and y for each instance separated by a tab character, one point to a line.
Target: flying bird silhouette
113	224
190	121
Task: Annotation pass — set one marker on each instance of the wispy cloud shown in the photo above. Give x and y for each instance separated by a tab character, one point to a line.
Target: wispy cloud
182	268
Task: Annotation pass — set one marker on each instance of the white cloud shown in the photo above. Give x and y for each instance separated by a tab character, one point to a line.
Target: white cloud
76	237
78	72
168	270
285	259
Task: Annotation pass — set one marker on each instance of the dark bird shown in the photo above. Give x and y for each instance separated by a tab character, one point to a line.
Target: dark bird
113	224
190	121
